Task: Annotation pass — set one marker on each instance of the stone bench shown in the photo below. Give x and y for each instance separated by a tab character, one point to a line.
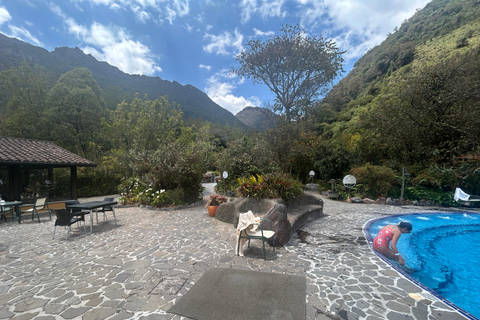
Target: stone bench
286	217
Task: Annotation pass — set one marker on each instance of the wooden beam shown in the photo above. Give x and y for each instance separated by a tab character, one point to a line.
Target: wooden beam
73	179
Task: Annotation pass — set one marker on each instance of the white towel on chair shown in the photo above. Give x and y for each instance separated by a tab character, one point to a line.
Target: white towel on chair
246	221
460	195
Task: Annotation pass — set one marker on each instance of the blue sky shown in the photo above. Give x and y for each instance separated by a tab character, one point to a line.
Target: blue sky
195	42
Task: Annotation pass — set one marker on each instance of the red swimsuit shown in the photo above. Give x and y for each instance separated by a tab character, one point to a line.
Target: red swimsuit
383	238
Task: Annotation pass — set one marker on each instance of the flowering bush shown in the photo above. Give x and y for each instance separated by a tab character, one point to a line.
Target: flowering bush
216	200
134	191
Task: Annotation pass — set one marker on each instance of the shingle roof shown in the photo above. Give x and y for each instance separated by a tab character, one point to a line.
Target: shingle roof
38	152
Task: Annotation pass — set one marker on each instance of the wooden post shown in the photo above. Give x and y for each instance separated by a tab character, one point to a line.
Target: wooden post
73	182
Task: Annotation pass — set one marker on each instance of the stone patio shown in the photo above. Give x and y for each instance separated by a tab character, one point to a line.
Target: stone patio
138	268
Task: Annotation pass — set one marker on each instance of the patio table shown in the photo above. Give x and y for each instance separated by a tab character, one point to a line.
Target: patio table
15	204
91	206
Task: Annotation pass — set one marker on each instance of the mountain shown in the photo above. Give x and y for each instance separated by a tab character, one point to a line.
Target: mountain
116	85
414	99
440	28
259	119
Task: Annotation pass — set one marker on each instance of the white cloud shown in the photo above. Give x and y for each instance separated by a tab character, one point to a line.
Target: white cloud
202	66
114	45
143	9
188	27
4	15
266	8
24	35
140	15
259	33
220	88
220	44
362	24
57	10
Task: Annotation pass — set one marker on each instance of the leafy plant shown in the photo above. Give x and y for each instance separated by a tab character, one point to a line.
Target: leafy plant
269	186
215	200
374	180
438	196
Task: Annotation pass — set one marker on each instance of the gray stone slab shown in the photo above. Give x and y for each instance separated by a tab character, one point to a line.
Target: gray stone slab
72	313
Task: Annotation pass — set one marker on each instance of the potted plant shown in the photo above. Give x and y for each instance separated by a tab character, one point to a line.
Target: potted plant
213	203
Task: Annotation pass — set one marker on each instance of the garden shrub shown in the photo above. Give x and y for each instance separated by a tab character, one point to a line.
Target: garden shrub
437	178
133	190
374	180
170	175
270	186
438	196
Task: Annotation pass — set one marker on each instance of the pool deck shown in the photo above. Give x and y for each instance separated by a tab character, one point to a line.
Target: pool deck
138	268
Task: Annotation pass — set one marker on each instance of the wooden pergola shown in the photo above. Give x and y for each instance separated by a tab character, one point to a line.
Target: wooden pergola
20	156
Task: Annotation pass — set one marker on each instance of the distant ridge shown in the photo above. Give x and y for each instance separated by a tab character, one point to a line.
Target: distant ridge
116	85
260	119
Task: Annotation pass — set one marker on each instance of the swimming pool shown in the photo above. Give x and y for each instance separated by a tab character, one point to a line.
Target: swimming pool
442	255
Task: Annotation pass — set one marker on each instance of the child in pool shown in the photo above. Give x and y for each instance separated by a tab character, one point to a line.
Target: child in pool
388	236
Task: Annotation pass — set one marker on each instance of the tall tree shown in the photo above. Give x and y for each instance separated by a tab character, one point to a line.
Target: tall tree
76	107
296	67
144	124
23	92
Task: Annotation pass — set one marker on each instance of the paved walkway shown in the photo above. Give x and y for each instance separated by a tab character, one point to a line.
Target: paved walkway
138	268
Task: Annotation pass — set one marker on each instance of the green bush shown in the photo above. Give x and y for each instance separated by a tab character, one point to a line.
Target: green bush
269	186
375	181
170	175
438	196
133	190
436	177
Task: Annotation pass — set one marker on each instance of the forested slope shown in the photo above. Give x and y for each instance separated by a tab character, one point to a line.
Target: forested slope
414	99
116	85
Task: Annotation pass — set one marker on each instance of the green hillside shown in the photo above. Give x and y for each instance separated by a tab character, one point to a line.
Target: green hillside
432	33
433	40
413	101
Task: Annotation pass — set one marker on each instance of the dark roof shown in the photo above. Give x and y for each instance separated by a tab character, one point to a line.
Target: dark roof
37	152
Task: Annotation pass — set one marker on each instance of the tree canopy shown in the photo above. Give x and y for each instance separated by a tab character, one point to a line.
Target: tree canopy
296	67
76	106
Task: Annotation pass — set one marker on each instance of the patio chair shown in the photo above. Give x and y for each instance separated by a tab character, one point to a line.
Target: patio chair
105	209
40	204
76	211
65	218
4	210
250	227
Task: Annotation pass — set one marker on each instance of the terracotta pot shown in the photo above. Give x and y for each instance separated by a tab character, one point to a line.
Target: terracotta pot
211	210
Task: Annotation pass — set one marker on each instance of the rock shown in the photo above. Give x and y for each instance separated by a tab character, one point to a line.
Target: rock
279	218
368	200
356	200
286	218
389	201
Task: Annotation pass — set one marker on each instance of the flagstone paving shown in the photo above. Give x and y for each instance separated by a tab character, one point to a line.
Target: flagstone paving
138	268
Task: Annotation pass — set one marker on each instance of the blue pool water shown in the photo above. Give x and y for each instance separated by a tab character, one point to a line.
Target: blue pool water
442	253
